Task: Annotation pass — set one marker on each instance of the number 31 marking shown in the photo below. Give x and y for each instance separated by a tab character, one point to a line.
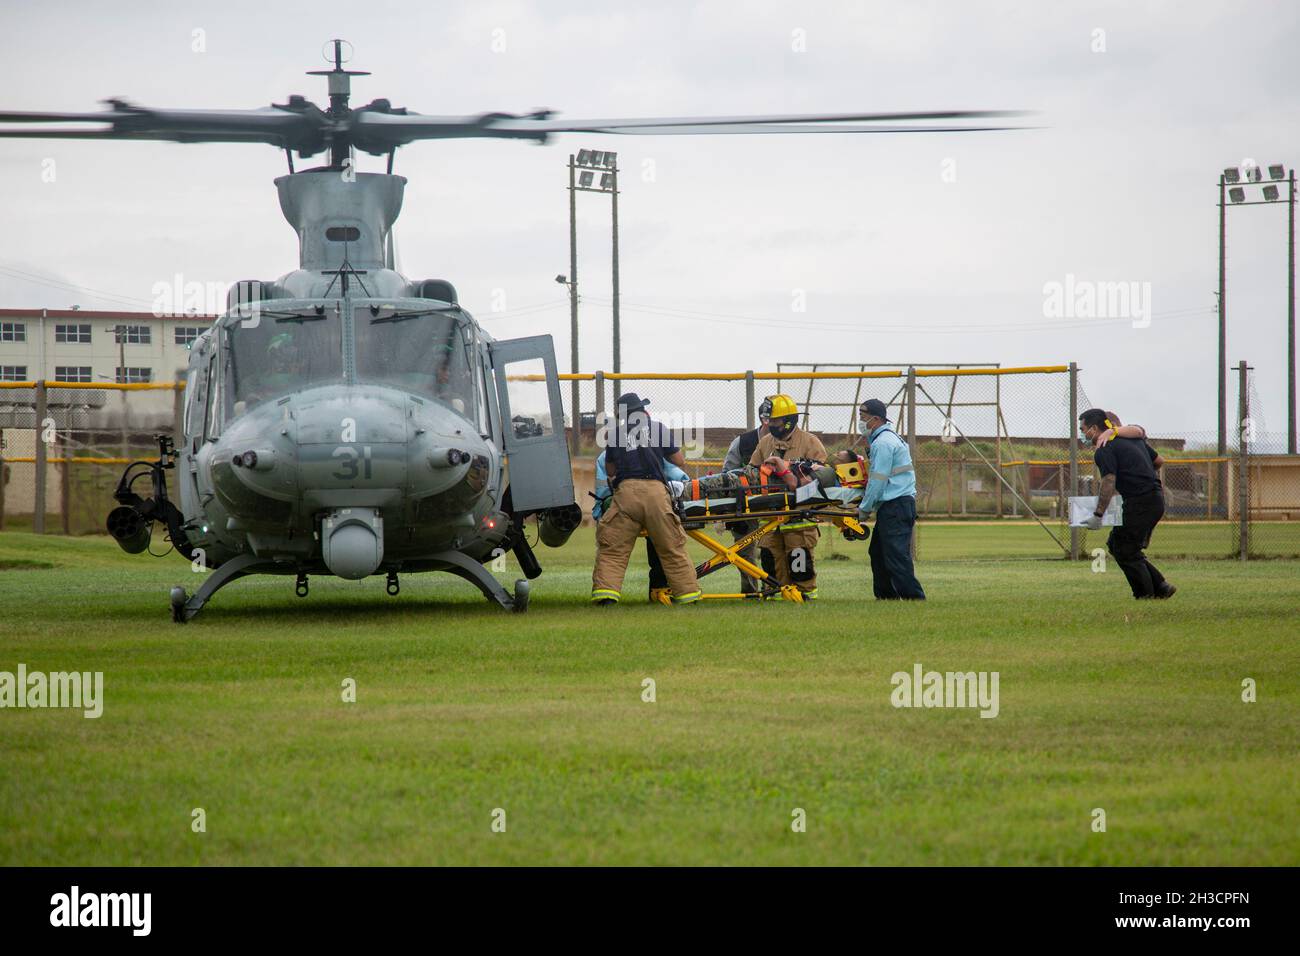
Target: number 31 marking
349	456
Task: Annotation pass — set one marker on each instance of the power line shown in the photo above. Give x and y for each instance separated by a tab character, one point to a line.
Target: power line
70	286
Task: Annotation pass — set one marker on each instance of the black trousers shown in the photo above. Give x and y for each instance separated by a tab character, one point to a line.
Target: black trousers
892	576
657	577
1128	541
738	530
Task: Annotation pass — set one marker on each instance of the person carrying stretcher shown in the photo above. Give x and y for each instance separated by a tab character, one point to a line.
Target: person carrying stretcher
634	461
788	550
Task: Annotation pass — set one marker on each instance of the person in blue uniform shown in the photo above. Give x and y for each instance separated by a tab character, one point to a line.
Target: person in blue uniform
891	495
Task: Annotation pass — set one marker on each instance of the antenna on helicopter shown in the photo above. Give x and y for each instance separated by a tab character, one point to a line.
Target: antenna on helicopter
340	90
345	269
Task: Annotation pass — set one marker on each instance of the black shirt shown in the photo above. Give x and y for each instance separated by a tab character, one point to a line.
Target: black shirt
638	451
1130	461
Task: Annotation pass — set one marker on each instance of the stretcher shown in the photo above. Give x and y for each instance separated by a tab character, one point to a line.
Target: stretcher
770	506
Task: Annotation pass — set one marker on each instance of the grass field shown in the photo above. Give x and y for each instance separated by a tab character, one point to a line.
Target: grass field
761	709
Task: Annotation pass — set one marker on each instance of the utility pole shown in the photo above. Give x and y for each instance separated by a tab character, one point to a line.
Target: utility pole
573	309
1074	456
1223	327
618	365
911	439
1243	461
121	378
1290	320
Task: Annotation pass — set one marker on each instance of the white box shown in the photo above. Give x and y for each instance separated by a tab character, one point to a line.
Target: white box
1082	508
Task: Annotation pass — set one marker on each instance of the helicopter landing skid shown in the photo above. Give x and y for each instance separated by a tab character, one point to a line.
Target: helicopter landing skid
184	608
474	572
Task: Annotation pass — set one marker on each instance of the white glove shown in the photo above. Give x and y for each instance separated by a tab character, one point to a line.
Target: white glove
1093	523
677	487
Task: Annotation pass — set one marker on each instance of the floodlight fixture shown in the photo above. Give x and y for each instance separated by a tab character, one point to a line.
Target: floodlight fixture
584	179
1231	175
607	181
585	154
1270	193
1237	194
1276	172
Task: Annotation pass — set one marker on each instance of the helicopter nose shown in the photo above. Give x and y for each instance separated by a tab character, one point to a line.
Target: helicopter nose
352	447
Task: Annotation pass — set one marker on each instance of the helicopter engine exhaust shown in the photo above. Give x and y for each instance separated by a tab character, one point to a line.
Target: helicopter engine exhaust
555	525
352	542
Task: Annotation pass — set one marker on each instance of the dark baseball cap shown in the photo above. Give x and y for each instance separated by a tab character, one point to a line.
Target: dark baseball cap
874	406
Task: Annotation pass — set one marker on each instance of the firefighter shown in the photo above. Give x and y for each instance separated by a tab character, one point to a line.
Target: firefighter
634	461
738	456
788	550
659	591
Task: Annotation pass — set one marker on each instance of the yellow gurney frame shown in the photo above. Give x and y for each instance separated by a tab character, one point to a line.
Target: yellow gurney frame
768	521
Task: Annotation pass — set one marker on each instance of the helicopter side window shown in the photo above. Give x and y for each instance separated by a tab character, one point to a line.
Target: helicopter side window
187	417
484	415
279	355
424	354
530	403
210	408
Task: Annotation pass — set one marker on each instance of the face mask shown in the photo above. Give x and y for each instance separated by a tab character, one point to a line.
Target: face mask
864	429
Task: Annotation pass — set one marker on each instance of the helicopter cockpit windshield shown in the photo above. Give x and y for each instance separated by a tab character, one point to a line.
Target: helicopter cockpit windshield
421	352
280	354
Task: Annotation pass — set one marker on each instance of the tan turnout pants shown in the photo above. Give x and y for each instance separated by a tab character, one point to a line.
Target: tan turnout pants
641	503
781	544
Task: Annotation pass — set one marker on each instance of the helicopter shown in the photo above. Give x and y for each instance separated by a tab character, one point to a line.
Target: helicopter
344	419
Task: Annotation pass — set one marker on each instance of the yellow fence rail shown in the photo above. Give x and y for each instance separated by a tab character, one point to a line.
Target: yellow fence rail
109	386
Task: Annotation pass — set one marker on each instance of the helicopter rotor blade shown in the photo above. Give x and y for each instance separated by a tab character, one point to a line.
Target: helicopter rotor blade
298	125
379	132
302	126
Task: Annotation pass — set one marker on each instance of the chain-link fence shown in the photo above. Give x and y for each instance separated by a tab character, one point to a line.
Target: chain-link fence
992	446
63	448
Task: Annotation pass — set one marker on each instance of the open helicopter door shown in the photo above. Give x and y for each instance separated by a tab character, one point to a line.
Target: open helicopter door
532	423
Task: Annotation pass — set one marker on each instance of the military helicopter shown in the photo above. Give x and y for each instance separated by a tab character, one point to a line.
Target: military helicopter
344	419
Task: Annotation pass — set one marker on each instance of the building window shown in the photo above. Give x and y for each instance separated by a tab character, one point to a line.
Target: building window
72	373
13	373
135	334
186	334
72	333
131	374
13	332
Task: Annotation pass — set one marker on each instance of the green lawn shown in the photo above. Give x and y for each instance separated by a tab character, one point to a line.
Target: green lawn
761	709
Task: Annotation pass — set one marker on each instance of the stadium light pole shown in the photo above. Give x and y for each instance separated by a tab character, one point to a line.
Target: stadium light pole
1236	180
572	283
591	162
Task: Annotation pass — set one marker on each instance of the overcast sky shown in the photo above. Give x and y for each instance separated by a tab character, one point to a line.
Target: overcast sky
719	235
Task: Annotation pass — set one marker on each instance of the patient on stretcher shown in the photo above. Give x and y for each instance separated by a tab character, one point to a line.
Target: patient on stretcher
775	485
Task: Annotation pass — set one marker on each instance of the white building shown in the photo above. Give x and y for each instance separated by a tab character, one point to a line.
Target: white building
81	345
